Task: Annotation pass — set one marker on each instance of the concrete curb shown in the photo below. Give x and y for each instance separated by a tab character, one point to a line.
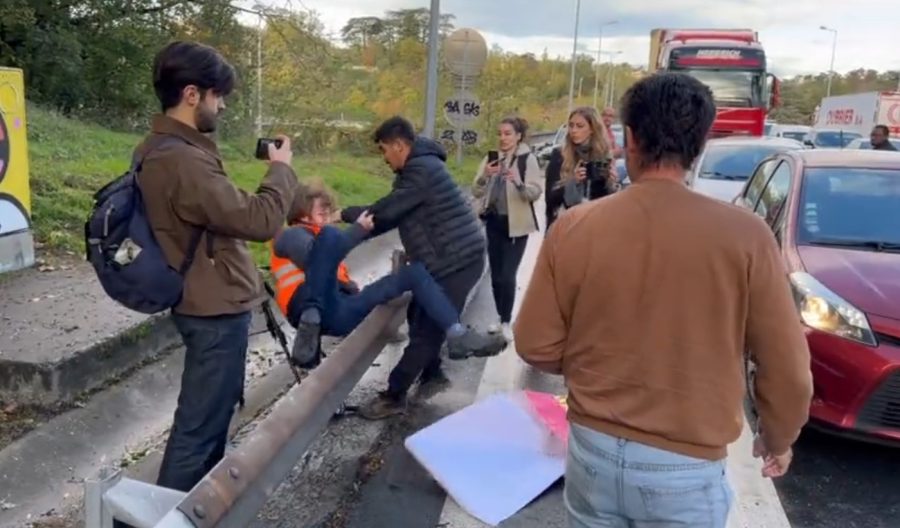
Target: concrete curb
89	368
44	470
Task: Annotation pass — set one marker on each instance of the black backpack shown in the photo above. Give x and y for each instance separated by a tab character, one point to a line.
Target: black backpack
119	243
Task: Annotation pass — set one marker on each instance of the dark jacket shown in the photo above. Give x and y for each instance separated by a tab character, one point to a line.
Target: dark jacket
887	145
185	188
437	225
555	190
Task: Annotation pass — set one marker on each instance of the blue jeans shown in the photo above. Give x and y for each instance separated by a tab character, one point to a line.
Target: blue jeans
342	312
617	483
211	385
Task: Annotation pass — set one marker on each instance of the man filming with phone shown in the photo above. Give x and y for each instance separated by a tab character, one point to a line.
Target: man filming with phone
196	210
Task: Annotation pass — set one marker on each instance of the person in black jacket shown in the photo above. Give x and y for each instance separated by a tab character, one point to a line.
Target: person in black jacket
437	228
582	168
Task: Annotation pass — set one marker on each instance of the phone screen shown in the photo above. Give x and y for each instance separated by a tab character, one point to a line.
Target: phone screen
493	156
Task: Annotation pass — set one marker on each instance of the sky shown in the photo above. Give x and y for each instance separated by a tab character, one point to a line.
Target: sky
788	29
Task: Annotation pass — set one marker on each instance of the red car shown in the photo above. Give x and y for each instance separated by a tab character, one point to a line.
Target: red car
836	216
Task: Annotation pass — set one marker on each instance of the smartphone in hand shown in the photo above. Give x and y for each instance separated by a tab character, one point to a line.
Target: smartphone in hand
493	156
262	147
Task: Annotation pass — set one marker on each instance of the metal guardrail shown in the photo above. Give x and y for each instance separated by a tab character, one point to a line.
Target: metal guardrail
232	493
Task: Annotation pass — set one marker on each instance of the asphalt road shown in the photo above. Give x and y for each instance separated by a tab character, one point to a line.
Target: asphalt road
840	483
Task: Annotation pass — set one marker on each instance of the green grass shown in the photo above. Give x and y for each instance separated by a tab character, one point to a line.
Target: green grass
70	160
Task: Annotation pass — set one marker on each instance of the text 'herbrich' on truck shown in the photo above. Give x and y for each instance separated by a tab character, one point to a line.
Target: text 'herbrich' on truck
732	63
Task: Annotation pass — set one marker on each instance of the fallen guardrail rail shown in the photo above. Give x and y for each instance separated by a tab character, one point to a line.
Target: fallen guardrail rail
236	489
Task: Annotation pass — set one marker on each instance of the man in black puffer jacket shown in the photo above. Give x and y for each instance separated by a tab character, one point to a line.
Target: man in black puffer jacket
439	229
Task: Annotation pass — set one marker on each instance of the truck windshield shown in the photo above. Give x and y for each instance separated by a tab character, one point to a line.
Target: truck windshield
734	88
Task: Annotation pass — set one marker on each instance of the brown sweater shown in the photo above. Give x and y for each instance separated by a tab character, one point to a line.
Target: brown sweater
646	300
184	187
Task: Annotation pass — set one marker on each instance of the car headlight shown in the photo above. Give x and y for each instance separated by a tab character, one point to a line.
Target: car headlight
824	310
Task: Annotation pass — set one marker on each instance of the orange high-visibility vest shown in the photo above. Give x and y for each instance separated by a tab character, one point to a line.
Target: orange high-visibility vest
289	277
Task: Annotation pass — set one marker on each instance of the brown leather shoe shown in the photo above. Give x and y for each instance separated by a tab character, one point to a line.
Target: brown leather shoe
382	406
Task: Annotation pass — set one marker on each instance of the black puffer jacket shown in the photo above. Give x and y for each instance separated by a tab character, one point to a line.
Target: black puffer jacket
437	225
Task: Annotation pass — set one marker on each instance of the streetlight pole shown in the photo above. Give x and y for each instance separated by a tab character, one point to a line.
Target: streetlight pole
259	77
833	49
597	64
609	78
574	55
431	85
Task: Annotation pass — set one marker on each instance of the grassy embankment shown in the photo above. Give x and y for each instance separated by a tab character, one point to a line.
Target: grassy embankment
71	159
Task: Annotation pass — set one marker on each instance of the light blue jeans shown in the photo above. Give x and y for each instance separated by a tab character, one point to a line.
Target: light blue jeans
617	483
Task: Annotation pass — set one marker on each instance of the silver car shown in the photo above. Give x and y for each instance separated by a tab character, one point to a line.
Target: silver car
726	163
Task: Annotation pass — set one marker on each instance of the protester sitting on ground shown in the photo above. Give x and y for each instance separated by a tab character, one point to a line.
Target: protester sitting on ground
315	292
583	168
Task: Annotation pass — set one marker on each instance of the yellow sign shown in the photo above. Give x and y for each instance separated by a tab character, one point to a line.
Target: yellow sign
15	196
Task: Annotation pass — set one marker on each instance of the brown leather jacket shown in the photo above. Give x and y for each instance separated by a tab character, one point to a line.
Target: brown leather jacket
185	188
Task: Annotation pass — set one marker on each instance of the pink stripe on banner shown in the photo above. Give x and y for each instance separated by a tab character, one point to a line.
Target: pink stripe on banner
551	410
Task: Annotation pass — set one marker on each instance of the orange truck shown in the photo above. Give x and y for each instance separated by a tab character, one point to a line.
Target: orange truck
732	63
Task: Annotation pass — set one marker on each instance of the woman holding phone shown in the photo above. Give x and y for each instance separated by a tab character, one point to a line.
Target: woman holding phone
507	184
583	168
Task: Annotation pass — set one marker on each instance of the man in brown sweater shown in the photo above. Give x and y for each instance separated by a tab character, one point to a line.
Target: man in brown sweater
645	301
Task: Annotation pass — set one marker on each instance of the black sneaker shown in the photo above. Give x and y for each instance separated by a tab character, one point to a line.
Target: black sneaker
305	351
384	405
475	344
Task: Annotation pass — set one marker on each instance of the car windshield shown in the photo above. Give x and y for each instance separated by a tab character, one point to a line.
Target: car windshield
734	88
850	207
834	138
735	162
797	135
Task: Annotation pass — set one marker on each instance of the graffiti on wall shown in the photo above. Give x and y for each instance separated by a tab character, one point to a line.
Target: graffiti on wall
15	196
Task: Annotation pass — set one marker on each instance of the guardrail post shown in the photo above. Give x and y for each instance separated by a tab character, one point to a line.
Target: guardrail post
112	497
96	514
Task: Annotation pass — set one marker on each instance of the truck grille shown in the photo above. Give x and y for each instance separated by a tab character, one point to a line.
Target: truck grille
883	408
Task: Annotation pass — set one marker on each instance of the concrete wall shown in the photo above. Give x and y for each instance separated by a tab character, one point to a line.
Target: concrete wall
16	243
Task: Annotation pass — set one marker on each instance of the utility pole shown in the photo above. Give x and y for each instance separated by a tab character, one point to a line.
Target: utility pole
599	59
574	55
833	49
432	77
259	77
609	96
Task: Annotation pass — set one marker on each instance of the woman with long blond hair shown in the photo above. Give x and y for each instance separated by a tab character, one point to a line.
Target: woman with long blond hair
582	169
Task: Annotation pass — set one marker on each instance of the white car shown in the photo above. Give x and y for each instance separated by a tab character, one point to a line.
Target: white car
797	132
726	163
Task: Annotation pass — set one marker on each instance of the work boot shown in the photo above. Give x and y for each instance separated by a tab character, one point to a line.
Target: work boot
472	343
432	382
305	351
384	405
